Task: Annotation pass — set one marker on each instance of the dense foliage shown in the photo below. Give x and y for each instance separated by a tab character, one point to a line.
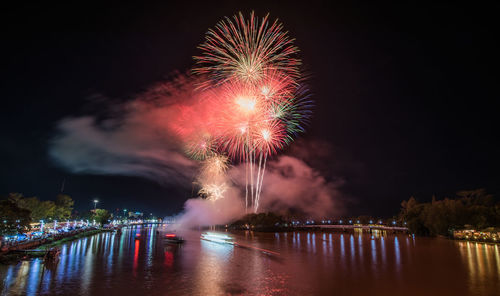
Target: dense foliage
14	219
261	220
60	209
101	216
474	208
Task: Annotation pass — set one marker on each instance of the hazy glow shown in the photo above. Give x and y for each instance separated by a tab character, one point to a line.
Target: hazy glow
266	134
246	104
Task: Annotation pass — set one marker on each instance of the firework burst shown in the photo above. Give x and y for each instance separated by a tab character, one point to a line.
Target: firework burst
212	177
245	49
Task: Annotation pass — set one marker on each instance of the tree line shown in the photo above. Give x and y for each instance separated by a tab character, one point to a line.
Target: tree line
59	209
18	211
468	209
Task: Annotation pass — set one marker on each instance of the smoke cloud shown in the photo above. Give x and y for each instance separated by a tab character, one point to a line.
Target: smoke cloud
292	184
143	137
202	212
133	139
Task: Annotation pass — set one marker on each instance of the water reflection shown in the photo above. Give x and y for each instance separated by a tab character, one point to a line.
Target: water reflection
373	251
342	247
382	250
212	267
310	263
136	256
483	263
397	252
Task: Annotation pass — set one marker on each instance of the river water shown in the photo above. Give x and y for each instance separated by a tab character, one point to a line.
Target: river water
308	263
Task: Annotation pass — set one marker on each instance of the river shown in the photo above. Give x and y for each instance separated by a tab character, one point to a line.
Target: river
308	263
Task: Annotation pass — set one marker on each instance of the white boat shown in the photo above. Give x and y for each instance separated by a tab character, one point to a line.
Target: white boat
217	238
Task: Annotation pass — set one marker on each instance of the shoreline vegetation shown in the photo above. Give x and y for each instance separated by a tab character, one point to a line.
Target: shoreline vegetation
472	215
13	256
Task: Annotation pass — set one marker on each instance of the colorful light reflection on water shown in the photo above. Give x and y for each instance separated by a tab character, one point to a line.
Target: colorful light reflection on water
308	264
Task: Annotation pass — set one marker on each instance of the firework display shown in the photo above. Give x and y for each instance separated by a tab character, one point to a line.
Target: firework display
245	49
212	177
254	103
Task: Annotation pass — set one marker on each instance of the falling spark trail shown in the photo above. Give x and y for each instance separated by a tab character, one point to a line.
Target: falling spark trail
251	176
260	183
246	186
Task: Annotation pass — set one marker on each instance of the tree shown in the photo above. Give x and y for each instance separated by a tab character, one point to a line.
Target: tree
40	210
101	216
14	219
15	197
64	206
260	220
439	217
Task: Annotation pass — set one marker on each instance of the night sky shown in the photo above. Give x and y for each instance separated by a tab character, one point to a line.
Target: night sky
405	95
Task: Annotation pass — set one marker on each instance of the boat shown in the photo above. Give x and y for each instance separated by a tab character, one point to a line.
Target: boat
137	236
173	238
217	238
52	255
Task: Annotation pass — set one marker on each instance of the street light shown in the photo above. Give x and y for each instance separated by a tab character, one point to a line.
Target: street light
95	203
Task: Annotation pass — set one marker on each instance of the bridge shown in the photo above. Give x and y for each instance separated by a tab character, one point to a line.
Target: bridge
358	226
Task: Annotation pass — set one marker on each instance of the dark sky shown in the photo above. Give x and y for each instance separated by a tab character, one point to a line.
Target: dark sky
405	93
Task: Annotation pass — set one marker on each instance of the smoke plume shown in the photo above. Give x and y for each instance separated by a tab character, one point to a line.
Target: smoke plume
135	138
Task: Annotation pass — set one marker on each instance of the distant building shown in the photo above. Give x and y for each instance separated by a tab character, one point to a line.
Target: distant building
135	215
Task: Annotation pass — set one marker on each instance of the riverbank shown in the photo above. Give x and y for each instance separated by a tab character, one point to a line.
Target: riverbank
28	251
